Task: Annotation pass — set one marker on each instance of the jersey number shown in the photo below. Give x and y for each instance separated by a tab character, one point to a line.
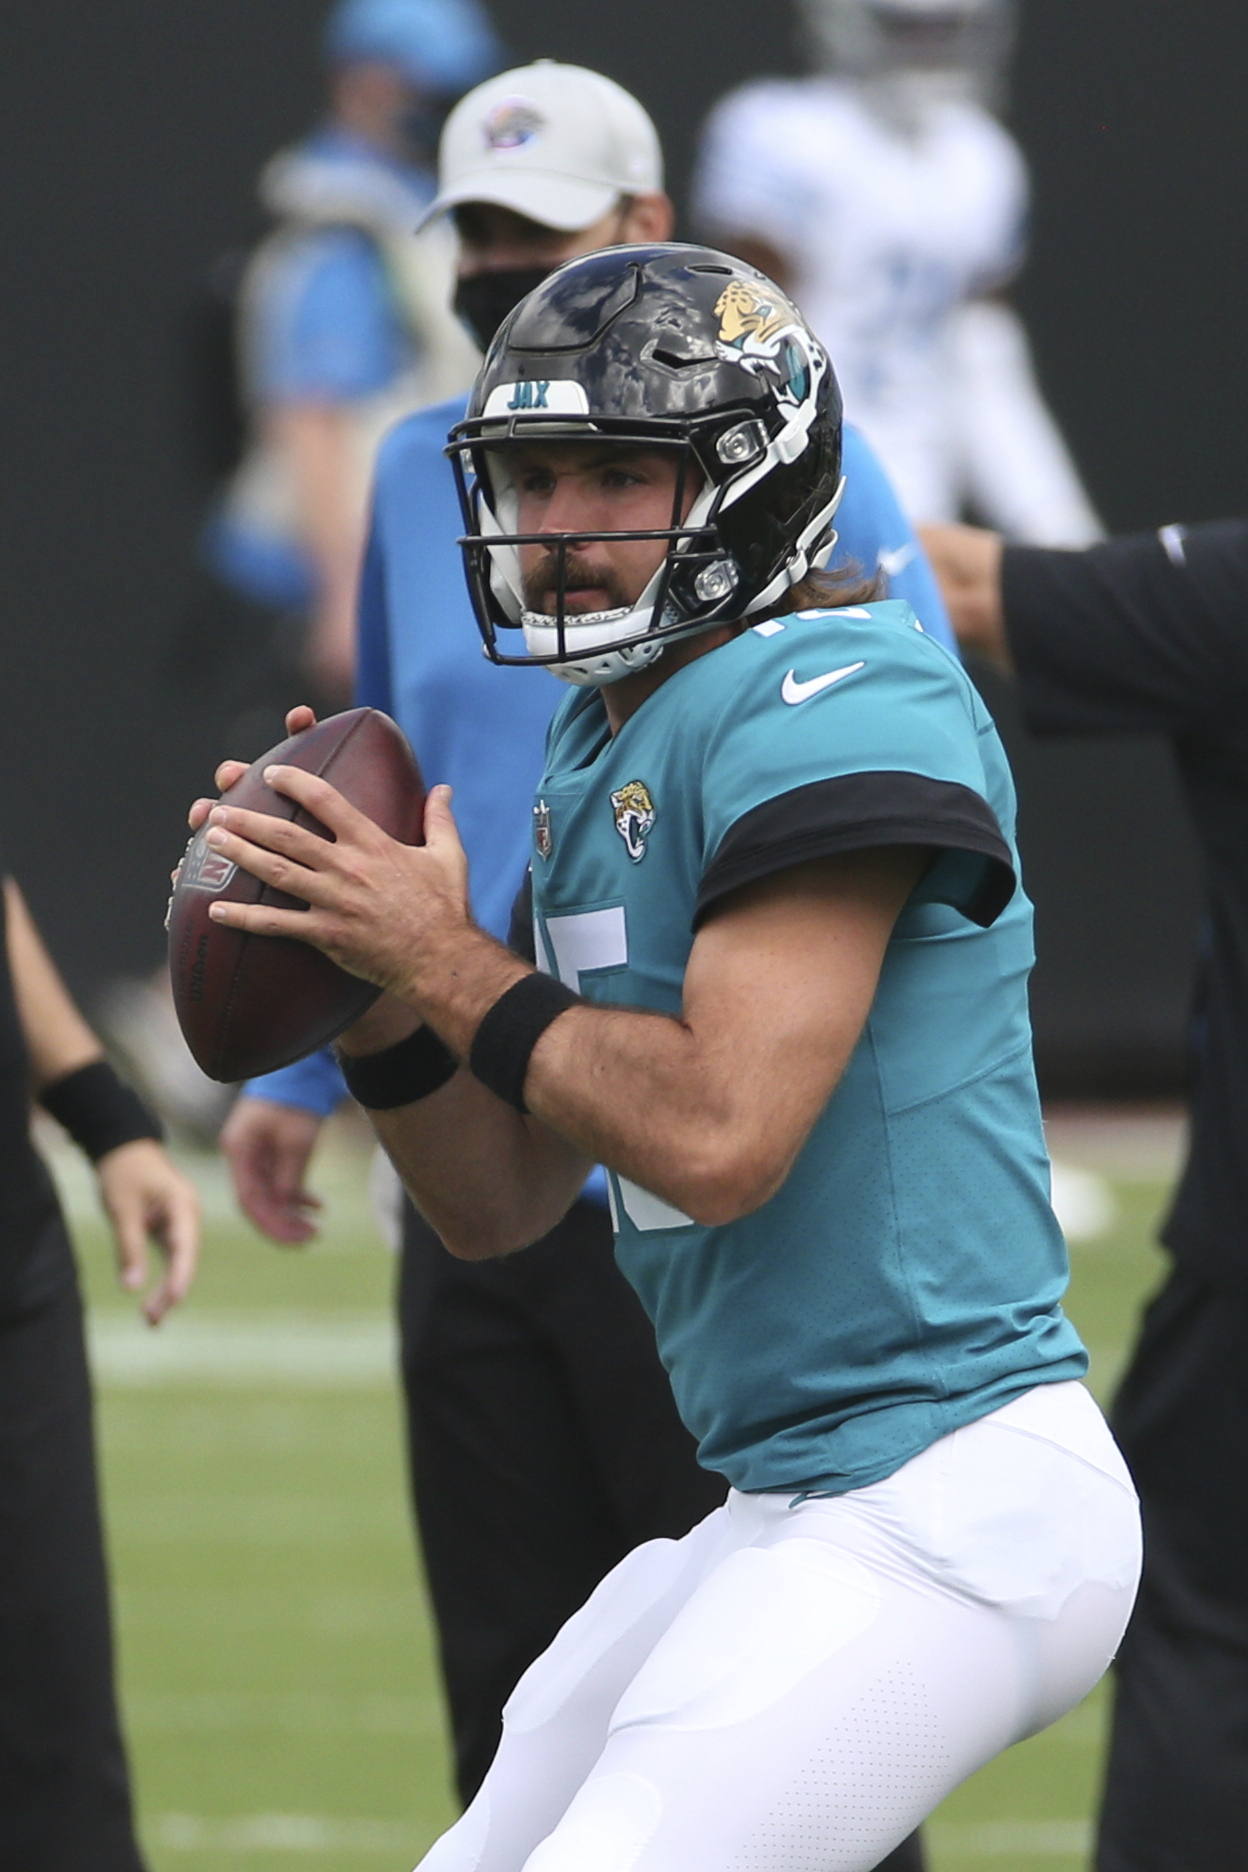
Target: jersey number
584	941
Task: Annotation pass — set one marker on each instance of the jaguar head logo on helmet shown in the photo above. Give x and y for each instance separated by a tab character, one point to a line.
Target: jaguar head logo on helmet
751	321
670	351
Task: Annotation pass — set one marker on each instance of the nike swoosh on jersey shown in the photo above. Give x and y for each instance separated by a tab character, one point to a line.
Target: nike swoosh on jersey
793	691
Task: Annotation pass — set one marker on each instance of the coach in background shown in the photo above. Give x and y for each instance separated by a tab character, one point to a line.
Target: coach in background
1149	634
64	1790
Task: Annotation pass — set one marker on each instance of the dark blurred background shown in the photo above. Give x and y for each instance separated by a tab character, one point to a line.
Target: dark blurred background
131	137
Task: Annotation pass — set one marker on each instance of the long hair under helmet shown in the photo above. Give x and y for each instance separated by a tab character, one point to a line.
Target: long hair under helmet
665	346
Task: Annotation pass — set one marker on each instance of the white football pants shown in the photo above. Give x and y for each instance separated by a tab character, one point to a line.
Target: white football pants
794	1686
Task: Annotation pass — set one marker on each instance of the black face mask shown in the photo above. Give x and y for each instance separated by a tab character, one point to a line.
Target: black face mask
483	301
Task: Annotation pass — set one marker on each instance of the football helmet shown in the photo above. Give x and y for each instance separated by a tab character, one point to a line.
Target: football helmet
963	40
665	346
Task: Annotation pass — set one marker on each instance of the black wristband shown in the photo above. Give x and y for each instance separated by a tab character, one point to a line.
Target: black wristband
510	1030
409	1070
99	1110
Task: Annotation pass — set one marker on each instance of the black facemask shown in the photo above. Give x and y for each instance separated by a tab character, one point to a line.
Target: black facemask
483	301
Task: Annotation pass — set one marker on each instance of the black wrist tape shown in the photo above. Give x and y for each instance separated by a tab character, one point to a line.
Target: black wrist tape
409	1070
504	1042
99	1110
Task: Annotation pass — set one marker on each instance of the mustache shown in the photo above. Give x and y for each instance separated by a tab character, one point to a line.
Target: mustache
580	574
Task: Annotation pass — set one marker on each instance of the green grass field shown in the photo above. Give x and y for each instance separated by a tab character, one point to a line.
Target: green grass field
277	1669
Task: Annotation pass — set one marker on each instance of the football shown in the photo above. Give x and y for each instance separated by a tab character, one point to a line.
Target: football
249	1004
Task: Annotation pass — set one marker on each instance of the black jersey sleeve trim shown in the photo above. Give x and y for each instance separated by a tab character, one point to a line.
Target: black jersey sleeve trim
520	929
854	812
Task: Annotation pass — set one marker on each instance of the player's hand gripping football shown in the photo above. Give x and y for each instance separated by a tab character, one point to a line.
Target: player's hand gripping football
387	912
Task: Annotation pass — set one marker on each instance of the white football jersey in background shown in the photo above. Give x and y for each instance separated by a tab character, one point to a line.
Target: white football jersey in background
891	232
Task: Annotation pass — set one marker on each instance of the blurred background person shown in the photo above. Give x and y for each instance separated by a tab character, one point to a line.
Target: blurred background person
64	1784
341	324
884	194
543	1437
1149	634
344	315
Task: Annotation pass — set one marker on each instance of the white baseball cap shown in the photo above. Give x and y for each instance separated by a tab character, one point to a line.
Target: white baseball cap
555	143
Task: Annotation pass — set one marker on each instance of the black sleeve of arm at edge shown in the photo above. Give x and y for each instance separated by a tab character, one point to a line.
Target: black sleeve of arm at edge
972	869
1145	634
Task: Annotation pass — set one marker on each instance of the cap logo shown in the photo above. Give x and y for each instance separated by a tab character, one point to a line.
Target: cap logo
511	124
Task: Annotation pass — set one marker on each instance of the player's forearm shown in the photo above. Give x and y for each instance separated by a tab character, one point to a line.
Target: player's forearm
665	1107
488	1180
967	564
708	1111
639	1092
635	1091
58	1040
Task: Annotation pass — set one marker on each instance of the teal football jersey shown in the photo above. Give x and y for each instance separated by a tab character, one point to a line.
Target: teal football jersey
907	1277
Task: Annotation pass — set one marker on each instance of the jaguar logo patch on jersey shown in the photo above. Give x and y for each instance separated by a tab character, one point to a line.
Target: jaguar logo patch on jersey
543	838
634	817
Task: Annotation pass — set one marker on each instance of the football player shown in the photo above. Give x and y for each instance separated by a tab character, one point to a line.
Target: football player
782	997
888	198
537	166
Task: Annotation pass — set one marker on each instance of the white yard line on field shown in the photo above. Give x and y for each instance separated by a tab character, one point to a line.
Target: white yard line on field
253	1348
1012	1839
311	1833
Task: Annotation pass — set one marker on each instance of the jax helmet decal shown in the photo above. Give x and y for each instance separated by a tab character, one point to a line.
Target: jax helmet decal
667	346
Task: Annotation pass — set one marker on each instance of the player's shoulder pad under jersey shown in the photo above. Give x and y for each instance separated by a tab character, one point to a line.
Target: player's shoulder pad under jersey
859	689
810	728
881	643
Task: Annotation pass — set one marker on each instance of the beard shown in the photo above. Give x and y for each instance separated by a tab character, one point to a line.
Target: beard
541	582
